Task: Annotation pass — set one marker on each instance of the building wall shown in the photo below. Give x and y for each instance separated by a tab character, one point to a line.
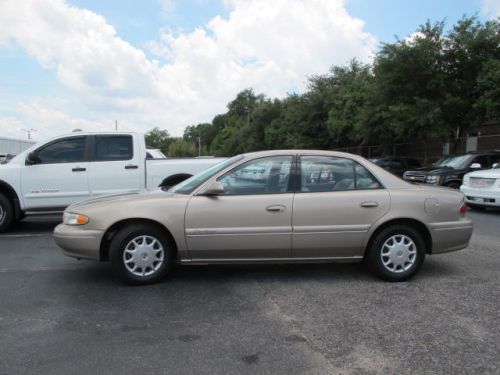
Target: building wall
14	146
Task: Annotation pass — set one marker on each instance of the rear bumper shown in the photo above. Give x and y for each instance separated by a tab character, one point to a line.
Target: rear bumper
450	236
77	242
481	197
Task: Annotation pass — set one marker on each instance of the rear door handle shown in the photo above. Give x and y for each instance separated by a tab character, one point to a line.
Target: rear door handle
79	169
130	166
276	208
369	204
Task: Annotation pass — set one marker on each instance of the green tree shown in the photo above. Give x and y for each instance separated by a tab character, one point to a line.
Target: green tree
345	92
181	148
487	106
409	86
471	53
157	138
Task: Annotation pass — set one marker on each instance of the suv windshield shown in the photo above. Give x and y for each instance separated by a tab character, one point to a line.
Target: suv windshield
192	183
456	162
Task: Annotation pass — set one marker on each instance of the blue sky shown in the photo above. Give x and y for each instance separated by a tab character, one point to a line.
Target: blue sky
84	63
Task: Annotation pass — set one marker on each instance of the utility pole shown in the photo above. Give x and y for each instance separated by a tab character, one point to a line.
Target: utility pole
116	125
199	144
29	132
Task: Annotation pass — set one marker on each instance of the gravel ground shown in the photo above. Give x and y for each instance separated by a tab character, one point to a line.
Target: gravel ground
62	316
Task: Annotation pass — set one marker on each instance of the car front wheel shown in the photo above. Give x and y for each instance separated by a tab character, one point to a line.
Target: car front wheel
396	253
6	213
141	254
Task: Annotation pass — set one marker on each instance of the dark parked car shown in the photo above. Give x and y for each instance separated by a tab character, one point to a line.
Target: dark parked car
398	165
449	170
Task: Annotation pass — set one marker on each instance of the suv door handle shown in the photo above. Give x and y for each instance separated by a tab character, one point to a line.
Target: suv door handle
130	166
79	169
276	208
368	204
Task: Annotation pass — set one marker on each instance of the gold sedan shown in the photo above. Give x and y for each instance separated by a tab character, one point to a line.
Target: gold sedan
270	207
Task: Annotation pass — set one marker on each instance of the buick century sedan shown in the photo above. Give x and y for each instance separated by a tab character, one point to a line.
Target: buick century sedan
306	206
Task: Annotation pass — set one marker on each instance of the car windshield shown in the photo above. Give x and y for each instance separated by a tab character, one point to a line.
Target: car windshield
192	183
453	161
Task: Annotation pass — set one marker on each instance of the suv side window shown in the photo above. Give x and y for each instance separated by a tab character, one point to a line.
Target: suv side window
67	150
495	159
413	163
483	160
269	175
113	147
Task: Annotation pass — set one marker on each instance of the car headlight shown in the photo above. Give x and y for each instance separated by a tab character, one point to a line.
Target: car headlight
432	179
74	219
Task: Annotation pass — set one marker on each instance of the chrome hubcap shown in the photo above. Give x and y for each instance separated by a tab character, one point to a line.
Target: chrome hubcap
399	253
143	255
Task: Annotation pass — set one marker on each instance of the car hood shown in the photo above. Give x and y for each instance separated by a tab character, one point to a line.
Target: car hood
488	173
431	170
143	195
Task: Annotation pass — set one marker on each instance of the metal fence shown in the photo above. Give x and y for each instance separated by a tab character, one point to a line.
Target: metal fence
426	150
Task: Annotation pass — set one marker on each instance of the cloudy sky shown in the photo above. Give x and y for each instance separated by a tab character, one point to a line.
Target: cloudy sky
167	63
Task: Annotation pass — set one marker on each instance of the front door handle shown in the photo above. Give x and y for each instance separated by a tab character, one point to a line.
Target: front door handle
130	166
369	204
79	169
276	208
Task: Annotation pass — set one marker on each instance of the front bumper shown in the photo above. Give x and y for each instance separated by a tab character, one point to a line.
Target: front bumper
481	197
450	236
77	242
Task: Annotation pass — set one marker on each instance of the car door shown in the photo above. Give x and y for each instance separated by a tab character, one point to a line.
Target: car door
252	220
115	167
337	202
59	175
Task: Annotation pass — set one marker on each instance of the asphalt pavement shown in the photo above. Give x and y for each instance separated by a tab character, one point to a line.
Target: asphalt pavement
63	316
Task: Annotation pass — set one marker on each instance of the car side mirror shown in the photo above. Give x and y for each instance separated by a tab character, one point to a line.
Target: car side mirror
215	188
31	159
475	166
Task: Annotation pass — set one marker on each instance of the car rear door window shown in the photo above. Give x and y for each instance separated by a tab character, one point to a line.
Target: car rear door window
364	179
329	173
113	147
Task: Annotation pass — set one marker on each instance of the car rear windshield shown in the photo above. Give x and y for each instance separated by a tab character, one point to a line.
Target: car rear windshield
192	183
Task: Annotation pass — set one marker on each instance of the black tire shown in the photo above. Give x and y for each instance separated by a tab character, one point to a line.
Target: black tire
6	213
123	239
375	258
453	185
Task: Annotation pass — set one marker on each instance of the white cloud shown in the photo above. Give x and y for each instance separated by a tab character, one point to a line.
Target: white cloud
270	46
167	7
491	8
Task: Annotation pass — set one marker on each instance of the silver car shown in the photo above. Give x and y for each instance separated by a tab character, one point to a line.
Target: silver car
308	206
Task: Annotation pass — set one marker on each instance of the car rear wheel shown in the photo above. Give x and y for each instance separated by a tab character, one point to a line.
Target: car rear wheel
6	213
396	253
141	254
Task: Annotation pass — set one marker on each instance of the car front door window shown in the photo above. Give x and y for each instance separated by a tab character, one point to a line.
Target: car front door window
268	175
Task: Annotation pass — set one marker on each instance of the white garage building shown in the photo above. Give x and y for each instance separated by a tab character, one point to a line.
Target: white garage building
14	146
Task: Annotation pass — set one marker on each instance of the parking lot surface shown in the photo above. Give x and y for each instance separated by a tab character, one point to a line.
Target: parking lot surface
63	316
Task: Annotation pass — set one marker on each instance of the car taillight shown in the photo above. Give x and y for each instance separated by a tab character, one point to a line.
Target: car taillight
463	208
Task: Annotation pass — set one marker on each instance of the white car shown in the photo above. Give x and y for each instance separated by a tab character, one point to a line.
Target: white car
482	188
